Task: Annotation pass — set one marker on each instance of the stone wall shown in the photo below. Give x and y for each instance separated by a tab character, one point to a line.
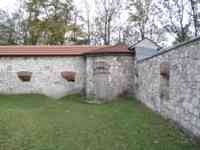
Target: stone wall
53	76
109	76
169	83
46	75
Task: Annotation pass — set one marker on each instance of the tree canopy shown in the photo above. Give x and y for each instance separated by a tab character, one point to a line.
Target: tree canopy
59	22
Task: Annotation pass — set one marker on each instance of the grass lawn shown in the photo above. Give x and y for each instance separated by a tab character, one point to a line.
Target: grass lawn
33	122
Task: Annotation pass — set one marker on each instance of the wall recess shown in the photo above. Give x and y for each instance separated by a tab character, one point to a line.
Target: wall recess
69	76
164	80
164	70
24	76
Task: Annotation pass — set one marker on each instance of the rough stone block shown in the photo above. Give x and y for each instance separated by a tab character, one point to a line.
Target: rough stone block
101	67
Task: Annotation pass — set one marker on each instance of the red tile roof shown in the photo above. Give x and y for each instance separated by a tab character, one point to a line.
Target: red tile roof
60	50
120	48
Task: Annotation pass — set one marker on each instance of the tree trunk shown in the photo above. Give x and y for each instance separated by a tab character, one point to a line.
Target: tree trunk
194	16
142	34
89	33
109	26
105	31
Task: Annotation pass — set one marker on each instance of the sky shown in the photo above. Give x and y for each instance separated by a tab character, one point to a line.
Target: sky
10	5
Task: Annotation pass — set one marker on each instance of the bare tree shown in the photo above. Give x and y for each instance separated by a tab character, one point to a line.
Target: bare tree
88	20
139	11
144	20
107	10
177	20
195	15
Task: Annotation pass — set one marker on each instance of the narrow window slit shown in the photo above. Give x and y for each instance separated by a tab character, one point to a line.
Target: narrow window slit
164	80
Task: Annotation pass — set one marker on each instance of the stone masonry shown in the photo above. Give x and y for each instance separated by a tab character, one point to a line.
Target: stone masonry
117	78
176	95
47	75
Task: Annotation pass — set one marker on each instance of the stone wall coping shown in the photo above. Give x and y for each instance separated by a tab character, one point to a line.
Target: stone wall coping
170	49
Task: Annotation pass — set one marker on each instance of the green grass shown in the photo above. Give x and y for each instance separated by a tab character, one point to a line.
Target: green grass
33	122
